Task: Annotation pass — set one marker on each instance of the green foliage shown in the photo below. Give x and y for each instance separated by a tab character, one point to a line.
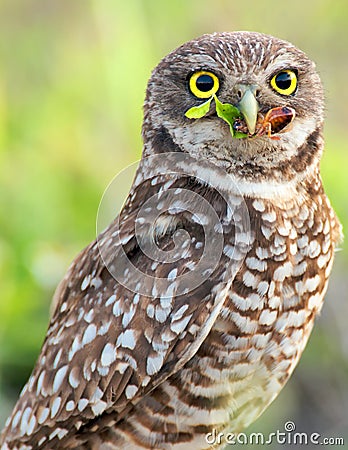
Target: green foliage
196	112
72	82
229	114
225	111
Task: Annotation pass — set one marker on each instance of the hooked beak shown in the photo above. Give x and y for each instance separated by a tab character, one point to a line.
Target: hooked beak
249	106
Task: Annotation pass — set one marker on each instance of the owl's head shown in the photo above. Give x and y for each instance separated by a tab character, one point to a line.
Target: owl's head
251	71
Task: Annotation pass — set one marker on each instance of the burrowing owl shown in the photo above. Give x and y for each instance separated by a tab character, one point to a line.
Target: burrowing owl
190	311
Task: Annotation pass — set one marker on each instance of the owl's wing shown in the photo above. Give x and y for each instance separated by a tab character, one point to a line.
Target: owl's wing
122	322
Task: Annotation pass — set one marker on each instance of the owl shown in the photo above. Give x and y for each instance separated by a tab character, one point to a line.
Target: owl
189	312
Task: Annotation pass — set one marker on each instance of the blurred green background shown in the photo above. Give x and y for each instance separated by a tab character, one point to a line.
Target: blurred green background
72	82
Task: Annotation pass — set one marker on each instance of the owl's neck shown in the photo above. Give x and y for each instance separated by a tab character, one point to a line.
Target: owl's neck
271	173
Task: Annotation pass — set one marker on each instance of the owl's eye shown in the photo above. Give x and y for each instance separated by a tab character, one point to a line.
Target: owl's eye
203	84
284	82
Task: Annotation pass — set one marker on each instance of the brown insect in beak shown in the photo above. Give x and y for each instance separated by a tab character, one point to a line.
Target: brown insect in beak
275	121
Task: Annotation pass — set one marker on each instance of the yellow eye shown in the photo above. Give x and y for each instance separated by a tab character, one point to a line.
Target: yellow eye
284	82
204	84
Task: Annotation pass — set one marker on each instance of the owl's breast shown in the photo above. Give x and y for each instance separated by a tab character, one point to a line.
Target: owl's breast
270	308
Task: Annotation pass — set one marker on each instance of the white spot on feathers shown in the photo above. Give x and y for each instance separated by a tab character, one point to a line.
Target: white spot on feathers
85	282
154	364
42	415
179	326
108	355
31	425
73	378
259	205
55	406
128	316
126	339
58	379
40	382
110	300
83	402
99	407
70	406
130	391
89	334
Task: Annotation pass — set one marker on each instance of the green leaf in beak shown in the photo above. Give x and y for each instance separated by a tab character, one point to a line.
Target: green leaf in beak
225	111
229	114
196	112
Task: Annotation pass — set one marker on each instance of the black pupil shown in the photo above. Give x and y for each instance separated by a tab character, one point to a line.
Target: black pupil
283	80
204	83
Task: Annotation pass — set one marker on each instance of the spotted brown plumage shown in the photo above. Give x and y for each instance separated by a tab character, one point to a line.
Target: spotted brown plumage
191	310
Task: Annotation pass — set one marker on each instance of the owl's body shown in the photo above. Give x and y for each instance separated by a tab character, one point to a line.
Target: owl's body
159	357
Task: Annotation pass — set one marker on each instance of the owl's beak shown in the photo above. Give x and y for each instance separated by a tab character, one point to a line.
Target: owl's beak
249	106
